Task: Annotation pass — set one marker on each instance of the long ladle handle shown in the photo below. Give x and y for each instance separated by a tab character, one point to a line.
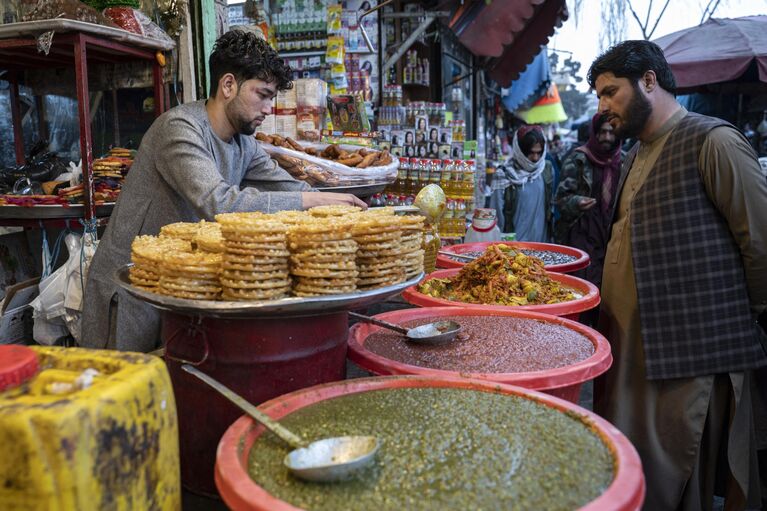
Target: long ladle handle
368	319
459	256
274	426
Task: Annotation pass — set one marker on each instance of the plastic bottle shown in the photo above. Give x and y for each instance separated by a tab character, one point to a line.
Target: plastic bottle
402	182
377	201
446	227
423	173
446	176
460	218
457	182
412	176
435	172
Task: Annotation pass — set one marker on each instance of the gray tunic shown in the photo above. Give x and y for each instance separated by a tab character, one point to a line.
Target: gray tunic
182	173
530	213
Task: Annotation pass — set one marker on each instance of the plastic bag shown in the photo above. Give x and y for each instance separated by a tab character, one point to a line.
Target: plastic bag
67	9
124	18
133	20
323	172
58	308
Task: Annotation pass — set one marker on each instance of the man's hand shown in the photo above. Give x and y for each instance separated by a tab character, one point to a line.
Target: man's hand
311	199
586	203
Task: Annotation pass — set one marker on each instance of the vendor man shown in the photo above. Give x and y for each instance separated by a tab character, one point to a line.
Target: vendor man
684	281
195	161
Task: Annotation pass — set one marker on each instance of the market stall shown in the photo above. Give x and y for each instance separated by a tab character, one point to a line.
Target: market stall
382	106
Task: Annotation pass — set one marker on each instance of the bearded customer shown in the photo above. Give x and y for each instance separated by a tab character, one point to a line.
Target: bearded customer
195	161
684	281
585	195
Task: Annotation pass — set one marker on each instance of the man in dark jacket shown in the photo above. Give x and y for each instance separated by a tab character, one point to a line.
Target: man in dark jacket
685	277
588	181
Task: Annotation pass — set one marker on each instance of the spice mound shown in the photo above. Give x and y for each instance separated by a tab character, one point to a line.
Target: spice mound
501	276
444	448
488	344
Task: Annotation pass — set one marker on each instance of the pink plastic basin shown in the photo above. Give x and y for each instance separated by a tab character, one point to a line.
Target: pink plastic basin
241	493
563	382
581	261
570	309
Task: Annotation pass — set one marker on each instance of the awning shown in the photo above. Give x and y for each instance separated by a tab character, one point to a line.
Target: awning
547	110
718	51
530	85
508	34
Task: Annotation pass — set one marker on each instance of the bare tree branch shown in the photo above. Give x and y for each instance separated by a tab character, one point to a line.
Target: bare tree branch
636	17
647	19
709	12
656	21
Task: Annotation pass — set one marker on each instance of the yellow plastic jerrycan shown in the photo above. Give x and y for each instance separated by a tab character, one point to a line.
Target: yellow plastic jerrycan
85	430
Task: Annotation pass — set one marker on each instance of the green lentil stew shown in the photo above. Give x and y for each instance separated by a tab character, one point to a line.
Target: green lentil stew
444	448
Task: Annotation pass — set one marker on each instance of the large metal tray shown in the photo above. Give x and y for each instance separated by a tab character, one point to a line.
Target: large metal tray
51	211
271	308
35	28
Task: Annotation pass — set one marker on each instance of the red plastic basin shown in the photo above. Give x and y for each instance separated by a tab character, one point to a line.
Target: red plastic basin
582	258
570	309
563	382
241	493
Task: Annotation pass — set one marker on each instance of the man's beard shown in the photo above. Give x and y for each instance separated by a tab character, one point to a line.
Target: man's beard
635	118
610	146
241	124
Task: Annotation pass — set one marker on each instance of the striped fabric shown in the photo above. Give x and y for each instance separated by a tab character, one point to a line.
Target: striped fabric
693	302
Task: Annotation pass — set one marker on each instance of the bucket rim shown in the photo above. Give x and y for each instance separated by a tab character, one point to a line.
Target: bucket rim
546	379
241	493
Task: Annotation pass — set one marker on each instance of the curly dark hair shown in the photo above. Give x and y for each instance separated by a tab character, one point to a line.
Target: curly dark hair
632	59
247	56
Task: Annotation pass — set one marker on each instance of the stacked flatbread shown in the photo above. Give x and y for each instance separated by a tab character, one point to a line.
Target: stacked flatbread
190	275
322	259
255	258
147	253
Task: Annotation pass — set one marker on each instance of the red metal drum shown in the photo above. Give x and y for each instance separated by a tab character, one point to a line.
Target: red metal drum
259	358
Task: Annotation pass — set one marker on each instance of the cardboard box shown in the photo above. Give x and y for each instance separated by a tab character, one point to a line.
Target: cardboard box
13	327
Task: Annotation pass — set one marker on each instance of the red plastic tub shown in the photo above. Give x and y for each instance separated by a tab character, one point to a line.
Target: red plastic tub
571	309
241	493
582	258
563	382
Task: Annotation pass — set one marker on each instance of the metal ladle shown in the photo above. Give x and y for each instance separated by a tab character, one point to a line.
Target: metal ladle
326	460
438	332
466	258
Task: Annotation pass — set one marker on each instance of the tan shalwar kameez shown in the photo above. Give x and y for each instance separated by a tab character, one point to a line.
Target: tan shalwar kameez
678	425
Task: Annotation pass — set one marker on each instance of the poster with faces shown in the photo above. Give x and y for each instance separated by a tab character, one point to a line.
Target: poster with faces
421	122
409	137
446	136
398	138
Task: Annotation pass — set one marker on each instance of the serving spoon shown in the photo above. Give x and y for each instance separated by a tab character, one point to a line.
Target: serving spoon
438	332
327	460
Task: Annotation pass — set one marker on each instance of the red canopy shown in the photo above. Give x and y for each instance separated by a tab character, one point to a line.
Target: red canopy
719	50
507	33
